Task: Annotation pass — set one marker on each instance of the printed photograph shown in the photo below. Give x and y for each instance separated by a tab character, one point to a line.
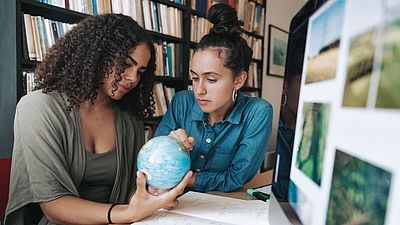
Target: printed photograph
278	40
280	47
310	156
388	95
360	190
323	48
359	69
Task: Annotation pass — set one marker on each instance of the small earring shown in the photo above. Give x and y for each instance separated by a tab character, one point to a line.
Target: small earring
284	99
234	95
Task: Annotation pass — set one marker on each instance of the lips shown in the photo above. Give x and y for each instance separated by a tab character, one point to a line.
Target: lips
124	88
202	101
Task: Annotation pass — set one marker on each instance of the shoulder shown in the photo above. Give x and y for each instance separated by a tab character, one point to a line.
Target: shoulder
38	99
257	104
39	103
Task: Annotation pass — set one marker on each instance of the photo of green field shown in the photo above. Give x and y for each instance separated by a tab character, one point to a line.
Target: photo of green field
359	192
311	152
389	83
323	66
323	49
359	69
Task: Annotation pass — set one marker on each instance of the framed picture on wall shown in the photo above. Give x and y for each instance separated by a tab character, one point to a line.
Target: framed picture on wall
277	48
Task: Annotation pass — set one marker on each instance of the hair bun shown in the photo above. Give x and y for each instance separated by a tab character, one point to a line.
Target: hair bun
225	19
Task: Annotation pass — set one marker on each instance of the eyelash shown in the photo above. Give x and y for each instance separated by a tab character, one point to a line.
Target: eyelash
209	80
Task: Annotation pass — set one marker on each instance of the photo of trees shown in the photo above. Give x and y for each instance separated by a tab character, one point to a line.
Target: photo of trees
359	192
311	152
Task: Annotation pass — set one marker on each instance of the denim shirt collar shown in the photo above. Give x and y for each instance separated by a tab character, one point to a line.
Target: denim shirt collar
234	116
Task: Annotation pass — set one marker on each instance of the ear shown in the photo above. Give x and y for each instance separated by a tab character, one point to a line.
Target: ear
240	80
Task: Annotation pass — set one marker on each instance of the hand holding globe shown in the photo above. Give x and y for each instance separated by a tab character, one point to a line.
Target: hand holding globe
164	160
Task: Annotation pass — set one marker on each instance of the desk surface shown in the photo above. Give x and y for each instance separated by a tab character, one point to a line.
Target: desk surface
259	180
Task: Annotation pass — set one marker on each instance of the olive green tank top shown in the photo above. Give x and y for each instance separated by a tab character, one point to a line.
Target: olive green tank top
99	176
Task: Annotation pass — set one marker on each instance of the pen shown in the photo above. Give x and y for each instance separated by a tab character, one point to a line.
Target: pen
258	195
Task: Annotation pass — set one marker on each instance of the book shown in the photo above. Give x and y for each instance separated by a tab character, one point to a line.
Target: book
204	209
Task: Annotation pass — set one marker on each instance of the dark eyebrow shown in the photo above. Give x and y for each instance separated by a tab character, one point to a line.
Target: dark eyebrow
132	60
135	62
207	73
193	72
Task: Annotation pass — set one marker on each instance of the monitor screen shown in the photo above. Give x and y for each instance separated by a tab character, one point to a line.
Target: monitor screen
335	152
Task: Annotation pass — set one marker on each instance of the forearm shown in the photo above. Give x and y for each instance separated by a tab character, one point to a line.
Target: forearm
192	180
73	210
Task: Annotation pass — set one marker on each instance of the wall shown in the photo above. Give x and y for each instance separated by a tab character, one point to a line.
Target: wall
279	13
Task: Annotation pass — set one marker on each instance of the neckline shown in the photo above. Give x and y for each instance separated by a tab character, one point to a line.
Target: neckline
102	153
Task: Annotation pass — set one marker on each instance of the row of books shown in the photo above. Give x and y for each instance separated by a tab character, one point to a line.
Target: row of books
169	60
255	44
97	7
149	14
162	97
29	82
40	34
250	12
253	16
254	75
198	28
161	18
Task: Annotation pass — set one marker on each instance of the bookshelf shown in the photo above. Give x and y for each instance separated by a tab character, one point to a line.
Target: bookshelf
14	61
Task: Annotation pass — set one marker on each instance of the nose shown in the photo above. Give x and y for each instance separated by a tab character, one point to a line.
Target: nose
132	76
201	89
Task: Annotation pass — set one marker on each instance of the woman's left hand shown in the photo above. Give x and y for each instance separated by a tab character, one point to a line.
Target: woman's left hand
156	192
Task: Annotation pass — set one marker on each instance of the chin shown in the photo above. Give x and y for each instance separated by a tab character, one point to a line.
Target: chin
206	109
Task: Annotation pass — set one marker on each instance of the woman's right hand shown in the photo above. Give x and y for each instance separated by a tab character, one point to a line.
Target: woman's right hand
144	204
181	135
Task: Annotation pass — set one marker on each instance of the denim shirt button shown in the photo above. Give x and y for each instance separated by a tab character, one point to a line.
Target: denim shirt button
202	157
197	170
208	140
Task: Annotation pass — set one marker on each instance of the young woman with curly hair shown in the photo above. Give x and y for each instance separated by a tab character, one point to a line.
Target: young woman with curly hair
77	138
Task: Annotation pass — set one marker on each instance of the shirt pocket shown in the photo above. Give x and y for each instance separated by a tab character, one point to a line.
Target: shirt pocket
221	159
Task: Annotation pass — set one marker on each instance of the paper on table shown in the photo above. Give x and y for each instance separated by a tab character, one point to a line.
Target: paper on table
170	218
200	208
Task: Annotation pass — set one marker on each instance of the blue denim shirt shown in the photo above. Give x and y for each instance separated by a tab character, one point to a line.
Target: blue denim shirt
228	154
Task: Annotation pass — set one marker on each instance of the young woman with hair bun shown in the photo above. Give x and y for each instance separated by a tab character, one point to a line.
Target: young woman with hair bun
229	131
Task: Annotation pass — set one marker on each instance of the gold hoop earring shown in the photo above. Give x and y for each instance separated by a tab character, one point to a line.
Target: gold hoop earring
234	95
284	99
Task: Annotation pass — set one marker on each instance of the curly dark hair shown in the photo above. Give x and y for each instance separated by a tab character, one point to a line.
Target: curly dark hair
78	62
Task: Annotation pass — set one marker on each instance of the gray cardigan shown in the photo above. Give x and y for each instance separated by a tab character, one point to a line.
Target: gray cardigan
48	158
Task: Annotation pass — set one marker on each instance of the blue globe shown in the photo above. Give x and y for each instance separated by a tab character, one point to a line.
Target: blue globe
164	160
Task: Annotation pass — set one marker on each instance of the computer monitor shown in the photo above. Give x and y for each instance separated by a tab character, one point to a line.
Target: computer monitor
335	158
